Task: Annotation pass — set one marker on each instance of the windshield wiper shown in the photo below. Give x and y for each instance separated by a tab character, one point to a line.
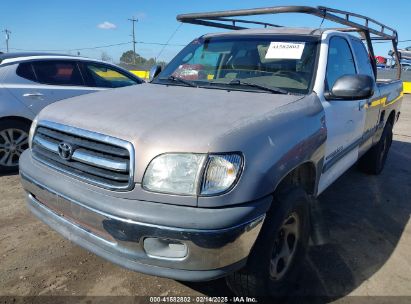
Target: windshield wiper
258	86
181	80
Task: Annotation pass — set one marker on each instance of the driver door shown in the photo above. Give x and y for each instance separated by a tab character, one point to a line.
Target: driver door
345	119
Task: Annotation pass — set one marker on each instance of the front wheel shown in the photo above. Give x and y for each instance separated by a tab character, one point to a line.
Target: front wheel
274	263
14	136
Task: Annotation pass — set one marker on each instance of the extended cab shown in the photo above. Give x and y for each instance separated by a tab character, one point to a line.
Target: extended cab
209	170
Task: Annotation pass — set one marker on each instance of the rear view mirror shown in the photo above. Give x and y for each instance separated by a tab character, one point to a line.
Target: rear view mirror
154	71
352	87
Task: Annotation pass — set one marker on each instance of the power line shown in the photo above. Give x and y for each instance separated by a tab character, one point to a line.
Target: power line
99	47
400	41
159	43
169	39
130	42
75	49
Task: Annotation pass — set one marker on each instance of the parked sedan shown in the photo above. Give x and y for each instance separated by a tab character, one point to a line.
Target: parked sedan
29	82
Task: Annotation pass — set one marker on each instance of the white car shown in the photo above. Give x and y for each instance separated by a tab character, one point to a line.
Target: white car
31	81
405	53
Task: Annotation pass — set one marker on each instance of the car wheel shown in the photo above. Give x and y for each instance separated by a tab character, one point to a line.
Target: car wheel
274	264
14	135
373	161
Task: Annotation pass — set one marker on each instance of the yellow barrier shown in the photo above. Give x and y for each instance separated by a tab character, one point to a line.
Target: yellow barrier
141	74
407	87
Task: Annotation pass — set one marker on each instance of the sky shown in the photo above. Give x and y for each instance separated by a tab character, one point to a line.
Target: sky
79	25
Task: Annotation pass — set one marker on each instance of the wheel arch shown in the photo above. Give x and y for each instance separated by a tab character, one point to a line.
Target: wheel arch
18	118
391	118
304	175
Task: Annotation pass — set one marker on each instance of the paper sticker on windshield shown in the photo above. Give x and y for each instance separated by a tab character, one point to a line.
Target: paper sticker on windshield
285	50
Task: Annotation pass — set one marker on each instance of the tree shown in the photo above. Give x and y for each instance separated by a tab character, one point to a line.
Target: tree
128	56
151	62
140	62
106	57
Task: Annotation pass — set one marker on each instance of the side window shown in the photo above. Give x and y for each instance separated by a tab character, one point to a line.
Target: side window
58	73
25	70
340	60
105	77
363	60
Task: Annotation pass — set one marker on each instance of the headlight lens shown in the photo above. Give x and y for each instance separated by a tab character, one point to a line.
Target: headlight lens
32	130
183	173
221	173
174	173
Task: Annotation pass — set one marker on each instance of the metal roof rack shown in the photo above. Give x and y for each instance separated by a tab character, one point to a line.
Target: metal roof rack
368	28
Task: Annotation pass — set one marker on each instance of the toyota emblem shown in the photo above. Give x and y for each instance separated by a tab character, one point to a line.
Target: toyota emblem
65	151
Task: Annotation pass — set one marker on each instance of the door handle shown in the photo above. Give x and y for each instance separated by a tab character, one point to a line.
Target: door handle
33	95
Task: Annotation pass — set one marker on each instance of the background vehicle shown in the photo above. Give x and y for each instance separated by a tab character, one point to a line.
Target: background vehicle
381	60
213	169
31	81
405	53
406	65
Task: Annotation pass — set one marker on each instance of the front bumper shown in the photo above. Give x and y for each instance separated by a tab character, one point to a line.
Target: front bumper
211	253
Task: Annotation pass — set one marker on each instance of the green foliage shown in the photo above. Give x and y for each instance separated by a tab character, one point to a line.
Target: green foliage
130	57
139	62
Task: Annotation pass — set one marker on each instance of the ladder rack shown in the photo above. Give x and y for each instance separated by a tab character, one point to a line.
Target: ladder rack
368	28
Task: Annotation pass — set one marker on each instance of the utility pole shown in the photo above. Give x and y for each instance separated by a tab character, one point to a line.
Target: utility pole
7	38
134	20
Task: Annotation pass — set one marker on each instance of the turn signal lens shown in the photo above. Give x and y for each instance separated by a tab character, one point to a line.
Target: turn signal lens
221	173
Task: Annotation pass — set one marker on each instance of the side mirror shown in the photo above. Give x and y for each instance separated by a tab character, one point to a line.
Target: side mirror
154	71
352	87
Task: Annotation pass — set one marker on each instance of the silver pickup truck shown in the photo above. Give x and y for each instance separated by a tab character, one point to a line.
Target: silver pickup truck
211	169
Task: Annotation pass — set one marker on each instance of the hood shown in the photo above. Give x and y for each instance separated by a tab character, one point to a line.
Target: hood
158	118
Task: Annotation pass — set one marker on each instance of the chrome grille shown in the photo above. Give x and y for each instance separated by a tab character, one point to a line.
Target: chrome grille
98	159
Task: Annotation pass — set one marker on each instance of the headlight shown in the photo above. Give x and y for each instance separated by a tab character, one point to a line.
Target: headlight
174	173
32	130
192	174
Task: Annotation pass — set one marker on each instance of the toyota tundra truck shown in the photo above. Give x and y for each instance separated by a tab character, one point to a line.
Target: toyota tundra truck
211	169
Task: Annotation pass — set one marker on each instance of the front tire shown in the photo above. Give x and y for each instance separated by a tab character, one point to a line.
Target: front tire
14	136
274	263
373	161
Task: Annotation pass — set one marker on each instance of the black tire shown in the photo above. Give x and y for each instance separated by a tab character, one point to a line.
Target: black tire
12	144
373	161
256	278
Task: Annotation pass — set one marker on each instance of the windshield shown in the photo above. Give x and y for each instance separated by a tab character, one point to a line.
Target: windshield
259	63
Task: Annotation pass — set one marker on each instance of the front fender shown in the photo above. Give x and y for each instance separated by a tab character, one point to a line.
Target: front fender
272	147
